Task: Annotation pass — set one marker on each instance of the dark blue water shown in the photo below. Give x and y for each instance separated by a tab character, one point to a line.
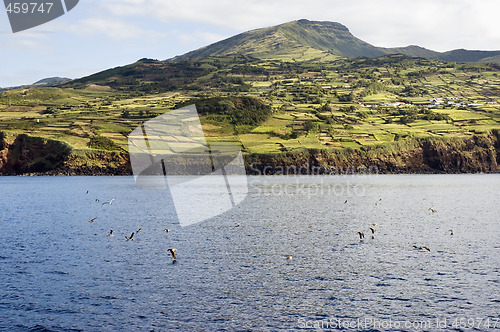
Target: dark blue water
59	273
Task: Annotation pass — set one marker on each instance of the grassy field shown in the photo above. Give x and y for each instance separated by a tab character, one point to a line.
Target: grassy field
319	102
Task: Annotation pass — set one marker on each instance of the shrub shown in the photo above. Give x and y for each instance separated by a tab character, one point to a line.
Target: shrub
241	110
103	143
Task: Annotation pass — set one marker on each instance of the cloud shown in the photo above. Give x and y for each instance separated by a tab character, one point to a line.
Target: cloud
441	24
27	42
113	28
227	14
197	37
27	45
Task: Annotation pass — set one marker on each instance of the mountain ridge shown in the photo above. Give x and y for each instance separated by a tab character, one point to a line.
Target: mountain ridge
322	38
327	37
44	82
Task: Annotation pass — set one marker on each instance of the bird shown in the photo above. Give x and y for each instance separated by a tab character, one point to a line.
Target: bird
92	220
97	200
111	233
131	237
421	247
237	224
451	231
431	209
111	201
345	201
139	230
289	257
172	251
373	232
361	235
166	230
87	192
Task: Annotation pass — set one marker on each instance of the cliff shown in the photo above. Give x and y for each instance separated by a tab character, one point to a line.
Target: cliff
26	155
476	154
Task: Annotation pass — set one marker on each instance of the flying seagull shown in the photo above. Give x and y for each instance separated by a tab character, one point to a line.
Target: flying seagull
289	257
172	251
431	209
92	220
131	238
111	201
166	230
422	247
361	235
373	232
139	230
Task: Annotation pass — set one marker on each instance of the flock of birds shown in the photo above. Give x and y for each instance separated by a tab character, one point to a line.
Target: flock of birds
362	234
372	229
131	237
172	251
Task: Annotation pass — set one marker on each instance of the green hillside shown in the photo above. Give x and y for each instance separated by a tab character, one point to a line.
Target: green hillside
318	101
306	40
337	104
297	40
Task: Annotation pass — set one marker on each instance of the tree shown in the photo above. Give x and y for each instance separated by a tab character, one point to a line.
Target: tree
346	98
325	108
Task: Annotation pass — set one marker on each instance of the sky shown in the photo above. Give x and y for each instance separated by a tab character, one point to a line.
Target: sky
102	34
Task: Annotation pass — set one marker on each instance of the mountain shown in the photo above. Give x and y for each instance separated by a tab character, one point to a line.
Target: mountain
307	40
462	55
304	101
296	37
301	41
52	81
46	82
413	51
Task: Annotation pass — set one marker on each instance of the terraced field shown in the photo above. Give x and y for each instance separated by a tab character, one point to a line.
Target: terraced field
328	104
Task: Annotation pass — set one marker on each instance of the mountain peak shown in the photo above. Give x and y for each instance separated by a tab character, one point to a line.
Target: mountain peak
305	40
301	39
307	22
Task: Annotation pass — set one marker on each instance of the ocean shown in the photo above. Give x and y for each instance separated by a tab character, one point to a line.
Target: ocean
420	269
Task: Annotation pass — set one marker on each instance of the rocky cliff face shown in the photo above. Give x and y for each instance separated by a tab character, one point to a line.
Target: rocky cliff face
25	155
480	153
475	154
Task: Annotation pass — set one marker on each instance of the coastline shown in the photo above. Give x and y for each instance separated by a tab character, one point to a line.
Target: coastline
480	153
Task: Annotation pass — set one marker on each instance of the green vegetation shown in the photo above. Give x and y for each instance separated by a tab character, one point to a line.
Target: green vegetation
267	105
320	41
103	143
242	110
